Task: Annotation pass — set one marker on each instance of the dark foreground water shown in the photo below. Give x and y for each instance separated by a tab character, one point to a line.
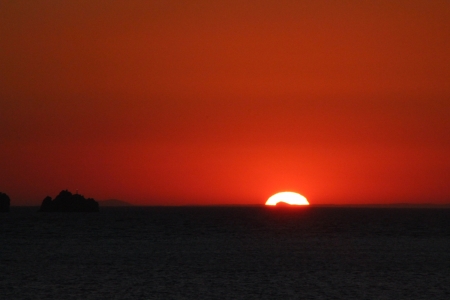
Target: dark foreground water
226	252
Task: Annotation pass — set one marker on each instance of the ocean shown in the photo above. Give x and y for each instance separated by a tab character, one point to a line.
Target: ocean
235	252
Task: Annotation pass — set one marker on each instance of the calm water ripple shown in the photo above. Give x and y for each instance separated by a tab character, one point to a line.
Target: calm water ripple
226	252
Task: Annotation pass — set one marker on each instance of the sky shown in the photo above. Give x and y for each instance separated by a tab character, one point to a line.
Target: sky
225	102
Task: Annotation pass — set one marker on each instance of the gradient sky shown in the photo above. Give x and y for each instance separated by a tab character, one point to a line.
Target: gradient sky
221	102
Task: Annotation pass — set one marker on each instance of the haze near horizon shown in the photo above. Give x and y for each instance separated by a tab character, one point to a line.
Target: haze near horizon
175	102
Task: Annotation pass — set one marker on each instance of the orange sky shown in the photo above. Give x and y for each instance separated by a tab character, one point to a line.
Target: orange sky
200	102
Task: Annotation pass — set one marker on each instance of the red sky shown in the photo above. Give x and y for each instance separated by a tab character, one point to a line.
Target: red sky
201	102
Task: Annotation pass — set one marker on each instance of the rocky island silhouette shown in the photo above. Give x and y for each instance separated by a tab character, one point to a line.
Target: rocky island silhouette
4	202
68	202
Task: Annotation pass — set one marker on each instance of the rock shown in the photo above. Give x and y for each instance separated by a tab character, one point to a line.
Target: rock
4	202
283	204
68	202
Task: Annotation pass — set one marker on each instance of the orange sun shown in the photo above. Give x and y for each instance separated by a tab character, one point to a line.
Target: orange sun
290	198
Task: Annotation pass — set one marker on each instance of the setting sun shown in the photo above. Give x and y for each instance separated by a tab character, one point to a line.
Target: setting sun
290	198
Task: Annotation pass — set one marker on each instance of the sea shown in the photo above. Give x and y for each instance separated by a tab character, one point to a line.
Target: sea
226	252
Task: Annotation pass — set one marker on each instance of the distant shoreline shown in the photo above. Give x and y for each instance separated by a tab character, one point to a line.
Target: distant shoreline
398	205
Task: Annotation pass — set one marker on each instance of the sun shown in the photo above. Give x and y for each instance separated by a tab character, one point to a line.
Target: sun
287	197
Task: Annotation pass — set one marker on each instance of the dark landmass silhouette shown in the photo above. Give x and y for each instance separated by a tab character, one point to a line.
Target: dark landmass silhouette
113	202
282	204
68	202
4	202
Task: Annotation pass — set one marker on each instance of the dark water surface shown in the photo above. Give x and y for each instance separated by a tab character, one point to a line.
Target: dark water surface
226	252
